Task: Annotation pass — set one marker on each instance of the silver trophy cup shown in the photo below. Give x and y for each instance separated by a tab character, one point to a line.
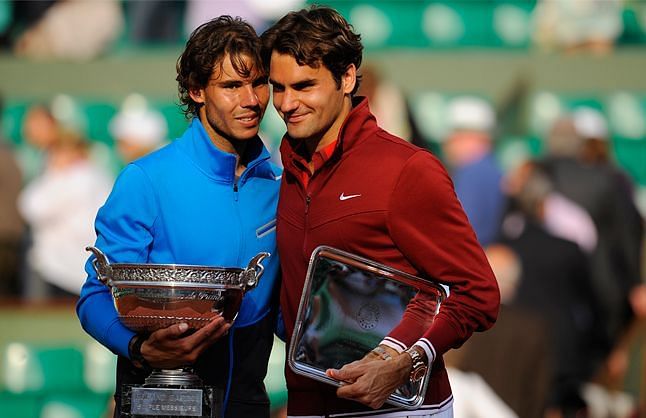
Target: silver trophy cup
149	297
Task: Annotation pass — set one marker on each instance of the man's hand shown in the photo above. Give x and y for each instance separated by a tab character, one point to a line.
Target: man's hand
171	347
371	380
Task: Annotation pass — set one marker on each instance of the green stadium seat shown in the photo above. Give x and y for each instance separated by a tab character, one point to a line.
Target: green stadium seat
512	150
99	368
512	23
634	23
442	24
545	107
19	406
74	405
631	155
97	115
11	122
28	368
275	379
429	111
626	113
177	123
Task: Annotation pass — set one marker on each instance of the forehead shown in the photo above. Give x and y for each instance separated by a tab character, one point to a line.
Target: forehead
285	69
226	70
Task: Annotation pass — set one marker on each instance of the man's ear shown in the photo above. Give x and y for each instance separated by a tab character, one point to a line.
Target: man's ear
197	95
349	79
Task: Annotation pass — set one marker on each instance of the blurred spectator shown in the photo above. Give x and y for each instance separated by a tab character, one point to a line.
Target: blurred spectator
561	217
137	128
556	284
11	224
512	357
616	262
589	25
259	13
596	149
21	15
591	126
72	29
474	169
59	206
474	398
154	21
386	101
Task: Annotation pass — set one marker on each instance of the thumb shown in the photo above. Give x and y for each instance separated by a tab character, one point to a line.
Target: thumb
347	373
174	331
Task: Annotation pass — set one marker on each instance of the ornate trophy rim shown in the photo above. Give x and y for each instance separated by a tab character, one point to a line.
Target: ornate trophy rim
152	296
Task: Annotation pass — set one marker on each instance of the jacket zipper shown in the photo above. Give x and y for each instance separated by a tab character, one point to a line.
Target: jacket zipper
308	199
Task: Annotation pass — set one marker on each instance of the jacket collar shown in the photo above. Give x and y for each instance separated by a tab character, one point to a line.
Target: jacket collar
215	163
358	125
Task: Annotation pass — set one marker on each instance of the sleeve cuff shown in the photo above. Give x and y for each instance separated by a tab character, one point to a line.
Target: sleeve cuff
428	349
394	344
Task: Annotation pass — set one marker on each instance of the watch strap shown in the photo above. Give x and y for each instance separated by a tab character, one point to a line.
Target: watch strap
419	368
135	352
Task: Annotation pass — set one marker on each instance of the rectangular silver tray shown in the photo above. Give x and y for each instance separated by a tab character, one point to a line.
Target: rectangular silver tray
349	304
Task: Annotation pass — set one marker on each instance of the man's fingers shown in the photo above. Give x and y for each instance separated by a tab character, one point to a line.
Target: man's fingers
174	331
209	332
349	372
352	391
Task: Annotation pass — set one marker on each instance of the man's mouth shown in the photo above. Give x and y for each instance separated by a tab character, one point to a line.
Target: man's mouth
295	118
248	119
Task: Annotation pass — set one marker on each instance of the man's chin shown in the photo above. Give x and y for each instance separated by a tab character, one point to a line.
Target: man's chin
297	134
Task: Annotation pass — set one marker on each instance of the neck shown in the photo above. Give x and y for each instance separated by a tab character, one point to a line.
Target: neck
226	144
332	134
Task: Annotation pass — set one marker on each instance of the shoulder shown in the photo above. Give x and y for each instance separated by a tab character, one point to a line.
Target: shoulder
164	155
384	146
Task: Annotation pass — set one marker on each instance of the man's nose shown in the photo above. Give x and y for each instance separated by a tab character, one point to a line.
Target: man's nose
289	102
249	97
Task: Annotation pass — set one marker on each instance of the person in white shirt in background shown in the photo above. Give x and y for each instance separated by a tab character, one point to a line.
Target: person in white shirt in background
137	128
59	205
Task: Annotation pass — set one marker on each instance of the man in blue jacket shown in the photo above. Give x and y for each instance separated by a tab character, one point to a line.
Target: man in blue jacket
208	198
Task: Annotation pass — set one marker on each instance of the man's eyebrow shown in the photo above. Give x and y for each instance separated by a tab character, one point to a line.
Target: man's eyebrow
298	84
274	82
304	83
228	83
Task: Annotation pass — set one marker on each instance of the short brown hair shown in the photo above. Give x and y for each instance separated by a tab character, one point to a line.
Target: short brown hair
314	36
206	48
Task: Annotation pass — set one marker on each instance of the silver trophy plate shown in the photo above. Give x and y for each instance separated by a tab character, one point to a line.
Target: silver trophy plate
349	304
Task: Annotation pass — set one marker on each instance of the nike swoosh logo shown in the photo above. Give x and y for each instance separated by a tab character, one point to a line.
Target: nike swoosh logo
350	196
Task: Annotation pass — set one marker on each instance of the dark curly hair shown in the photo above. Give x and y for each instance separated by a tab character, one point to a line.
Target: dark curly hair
314	36
206	49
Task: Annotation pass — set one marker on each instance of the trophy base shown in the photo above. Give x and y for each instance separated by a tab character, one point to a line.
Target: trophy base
171	394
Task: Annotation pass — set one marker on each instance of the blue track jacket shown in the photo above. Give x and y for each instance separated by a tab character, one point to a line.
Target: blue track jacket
182	205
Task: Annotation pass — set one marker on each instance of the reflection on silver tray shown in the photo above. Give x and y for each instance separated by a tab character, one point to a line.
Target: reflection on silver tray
348	305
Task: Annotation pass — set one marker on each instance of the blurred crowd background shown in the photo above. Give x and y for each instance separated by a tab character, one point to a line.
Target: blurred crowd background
536	107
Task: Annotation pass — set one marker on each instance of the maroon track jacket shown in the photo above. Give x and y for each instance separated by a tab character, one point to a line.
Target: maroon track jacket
405	214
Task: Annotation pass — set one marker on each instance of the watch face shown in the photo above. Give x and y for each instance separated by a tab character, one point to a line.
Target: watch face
418	373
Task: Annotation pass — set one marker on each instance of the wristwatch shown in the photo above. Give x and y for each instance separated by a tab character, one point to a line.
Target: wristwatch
419	365
134	347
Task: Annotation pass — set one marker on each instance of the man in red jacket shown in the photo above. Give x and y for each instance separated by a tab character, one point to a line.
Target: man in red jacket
351	185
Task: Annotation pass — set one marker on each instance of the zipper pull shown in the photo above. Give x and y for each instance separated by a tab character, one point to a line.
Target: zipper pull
308	199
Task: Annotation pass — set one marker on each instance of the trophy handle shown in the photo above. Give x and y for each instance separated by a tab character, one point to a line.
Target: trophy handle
101	266
251	275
